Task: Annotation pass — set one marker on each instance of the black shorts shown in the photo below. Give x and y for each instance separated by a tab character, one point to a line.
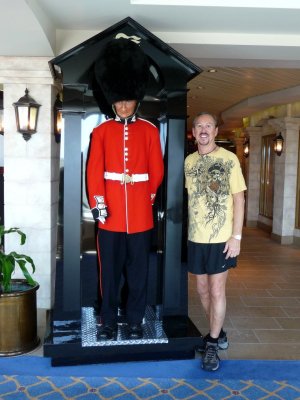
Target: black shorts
208	258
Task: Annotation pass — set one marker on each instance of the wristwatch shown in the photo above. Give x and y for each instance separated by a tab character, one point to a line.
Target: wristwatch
237	237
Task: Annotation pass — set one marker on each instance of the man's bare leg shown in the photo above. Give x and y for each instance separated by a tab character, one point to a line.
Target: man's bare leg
212	292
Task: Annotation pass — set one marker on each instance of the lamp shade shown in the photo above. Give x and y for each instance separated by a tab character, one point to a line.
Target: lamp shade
278	144
27	110
246	147
57	116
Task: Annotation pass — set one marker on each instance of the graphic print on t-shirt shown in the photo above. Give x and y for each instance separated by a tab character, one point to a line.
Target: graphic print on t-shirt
208	193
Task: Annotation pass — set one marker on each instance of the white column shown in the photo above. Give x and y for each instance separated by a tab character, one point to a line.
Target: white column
31	169
285	180
253	175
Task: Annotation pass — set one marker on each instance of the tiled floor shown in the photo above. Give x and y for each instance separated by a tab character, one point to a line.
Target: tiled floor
263	302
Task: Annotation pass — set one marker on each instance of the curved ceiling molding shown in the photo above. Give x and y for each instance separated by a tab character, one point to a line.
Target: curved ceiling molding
233	116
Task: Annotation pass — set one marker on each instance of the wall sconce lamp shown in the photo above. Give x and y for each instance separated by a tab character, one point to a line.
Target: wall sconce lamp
1	113
246	147
27	110
57	116
278	144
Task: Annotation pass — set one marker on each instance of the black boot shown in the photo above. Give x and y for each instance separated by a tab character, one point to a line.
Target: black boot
135	331
107	332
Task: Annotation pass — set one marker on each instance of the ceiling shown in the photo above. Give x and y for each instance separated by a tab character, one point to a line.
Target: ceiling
254	47
228	92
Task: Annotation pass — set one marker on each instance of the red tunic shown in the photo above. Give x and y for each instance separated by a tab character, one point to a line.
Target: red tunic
131	149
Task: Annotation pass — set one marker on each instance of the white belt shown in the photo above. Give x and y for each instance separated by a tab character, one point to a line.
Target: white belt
126	178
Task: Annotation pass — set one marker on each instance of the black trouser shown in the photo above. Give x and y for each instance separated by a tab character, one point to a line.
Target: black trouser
119	253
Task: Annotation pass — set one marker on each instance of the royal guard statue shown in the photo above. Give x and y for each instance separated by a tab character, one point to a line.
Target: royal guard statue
124	170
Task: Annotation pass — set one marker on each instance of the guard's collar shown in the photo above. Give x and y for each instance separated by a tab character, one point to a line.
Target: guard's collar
126	121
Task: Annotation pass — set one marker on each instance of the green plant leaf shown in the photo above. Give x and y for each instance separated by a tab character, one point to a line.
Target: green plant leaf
8	261
27	259
8	269
22	265
14	230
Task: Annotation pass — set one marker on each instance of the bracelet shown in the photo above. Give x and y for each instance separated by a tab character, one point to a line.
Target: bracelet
237	237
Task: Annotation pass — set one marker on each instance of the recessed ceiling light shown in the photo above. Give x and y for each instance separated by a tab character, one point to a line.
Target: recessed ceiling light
212	70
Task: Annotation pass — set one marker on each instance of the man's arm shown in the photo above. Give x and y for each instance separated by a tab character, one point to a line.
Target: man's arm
95	179
233	245
238	213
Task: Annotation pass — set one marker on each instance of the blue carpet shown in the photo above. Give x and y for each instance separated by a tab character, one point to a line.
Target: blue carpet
31	377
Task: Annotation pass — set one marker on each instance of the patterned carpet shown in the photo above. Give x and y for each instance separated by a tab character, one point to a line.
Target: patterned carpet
30	377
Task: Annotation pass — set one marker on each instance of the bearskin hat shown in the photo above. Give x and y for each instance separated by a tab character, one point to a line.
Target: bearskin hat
122	71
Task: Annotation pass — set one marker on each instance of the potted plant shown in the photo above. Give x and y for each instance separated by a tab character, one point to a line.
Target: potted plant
18	310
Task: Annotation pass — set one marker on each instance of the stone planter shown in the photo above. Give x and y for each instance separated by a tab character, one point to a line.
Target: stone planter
18	319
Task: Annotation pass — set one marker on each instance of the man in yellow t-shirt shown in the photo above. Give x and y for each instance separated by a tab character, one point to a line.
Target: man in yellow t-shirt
215	186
